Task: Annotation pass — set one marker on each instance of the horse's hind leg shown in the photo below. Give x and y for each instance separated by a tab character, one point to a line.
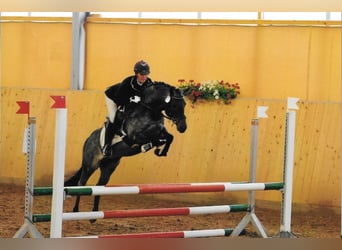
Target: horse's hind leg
82	182
91	156
107	166
106	171
86	173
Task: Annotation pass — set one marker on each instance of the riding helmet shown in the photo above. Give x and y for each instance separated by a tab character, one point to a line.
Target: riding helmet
142	67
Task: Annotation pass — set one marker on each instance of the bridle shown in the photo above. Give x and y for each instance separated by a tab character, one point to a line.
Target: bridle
170	97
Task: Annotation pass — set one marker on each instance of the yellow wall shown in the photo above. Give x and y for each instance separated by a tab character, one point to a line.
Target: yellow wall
267	61
270	63
36	55
215	147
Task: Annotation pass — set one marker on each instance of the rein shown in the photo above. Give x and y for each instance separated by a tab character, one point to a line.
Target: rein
142	103
151	109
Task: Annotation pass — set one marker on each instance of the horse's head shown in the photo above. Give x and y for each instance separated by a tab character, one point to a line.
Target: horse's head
174	108
170	100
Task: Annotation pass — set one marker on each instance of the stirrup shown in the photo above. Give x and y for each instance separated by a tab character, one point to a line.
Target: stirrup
106	150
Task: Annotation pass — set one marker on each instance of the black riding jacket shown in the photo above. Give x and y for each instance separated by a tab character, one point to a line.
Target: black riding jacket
129	87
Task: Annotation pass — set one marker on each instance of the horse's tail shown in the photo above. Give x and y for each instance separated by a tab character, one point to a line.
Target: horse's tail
73	180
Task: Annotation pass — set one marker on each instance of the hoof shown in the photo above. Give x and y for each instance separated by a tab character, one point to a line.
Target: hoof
92	221
160	154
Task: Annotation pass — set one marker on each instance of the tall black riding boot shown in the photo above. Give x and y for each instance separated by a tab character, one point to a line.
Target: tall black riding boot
109	134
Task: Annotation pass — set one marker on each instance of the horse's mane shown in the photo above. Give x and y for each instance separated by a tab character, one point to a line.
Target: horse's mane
159	84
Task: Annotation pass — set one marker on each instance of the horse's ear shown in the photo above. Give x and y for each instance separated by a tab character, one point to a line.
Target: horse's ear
168	99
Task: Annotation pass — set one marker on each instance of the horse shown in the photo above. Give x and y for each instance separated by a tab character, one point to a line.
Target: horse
142	128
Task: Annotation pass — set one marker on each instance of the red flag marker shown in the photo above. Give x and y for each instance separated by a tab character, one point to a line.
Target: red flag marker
59	102
24	107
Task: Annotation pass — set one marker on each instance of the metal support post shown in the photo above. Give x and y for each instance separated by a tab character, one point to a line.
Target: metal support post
251	216
30	142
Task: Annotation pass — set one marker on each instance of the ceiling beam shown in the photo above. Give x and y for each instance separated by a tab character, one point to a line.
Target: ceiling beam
172	5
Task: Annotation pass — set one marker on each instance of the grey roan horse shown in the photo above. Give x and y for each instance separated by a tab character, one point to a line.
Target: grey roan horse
142	129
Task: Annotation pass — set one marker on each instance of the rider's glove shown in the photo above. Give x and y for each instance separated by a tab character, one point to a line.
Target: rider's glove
135	99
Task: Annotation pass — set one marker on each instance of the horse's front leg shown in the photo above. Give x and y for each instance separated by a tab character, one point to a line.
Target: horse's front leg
166	139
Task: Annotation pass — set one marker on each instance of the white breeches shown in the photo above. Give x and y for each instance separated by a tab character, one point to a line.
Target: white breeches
112	108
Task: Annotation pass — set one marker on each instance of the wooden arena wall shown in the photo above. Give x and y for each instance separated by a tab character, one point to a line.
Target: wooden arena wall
269	62
216	146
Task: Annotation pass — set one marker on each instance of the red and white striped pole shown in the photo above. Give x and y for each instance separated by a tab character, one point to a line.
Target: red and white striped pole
175	234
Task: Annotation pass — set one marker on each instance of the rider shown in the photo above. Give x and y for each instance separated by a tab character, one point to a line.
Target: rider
120	95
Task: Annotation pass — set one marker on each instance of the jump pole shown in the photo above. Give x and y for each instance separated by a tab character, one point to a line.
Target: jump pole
29	148
57	217
171	188
180	211
176	234
58	167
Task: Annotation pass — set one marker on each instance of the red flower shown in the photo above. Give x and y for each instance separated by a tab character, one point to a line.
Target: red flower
197	93
211	90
